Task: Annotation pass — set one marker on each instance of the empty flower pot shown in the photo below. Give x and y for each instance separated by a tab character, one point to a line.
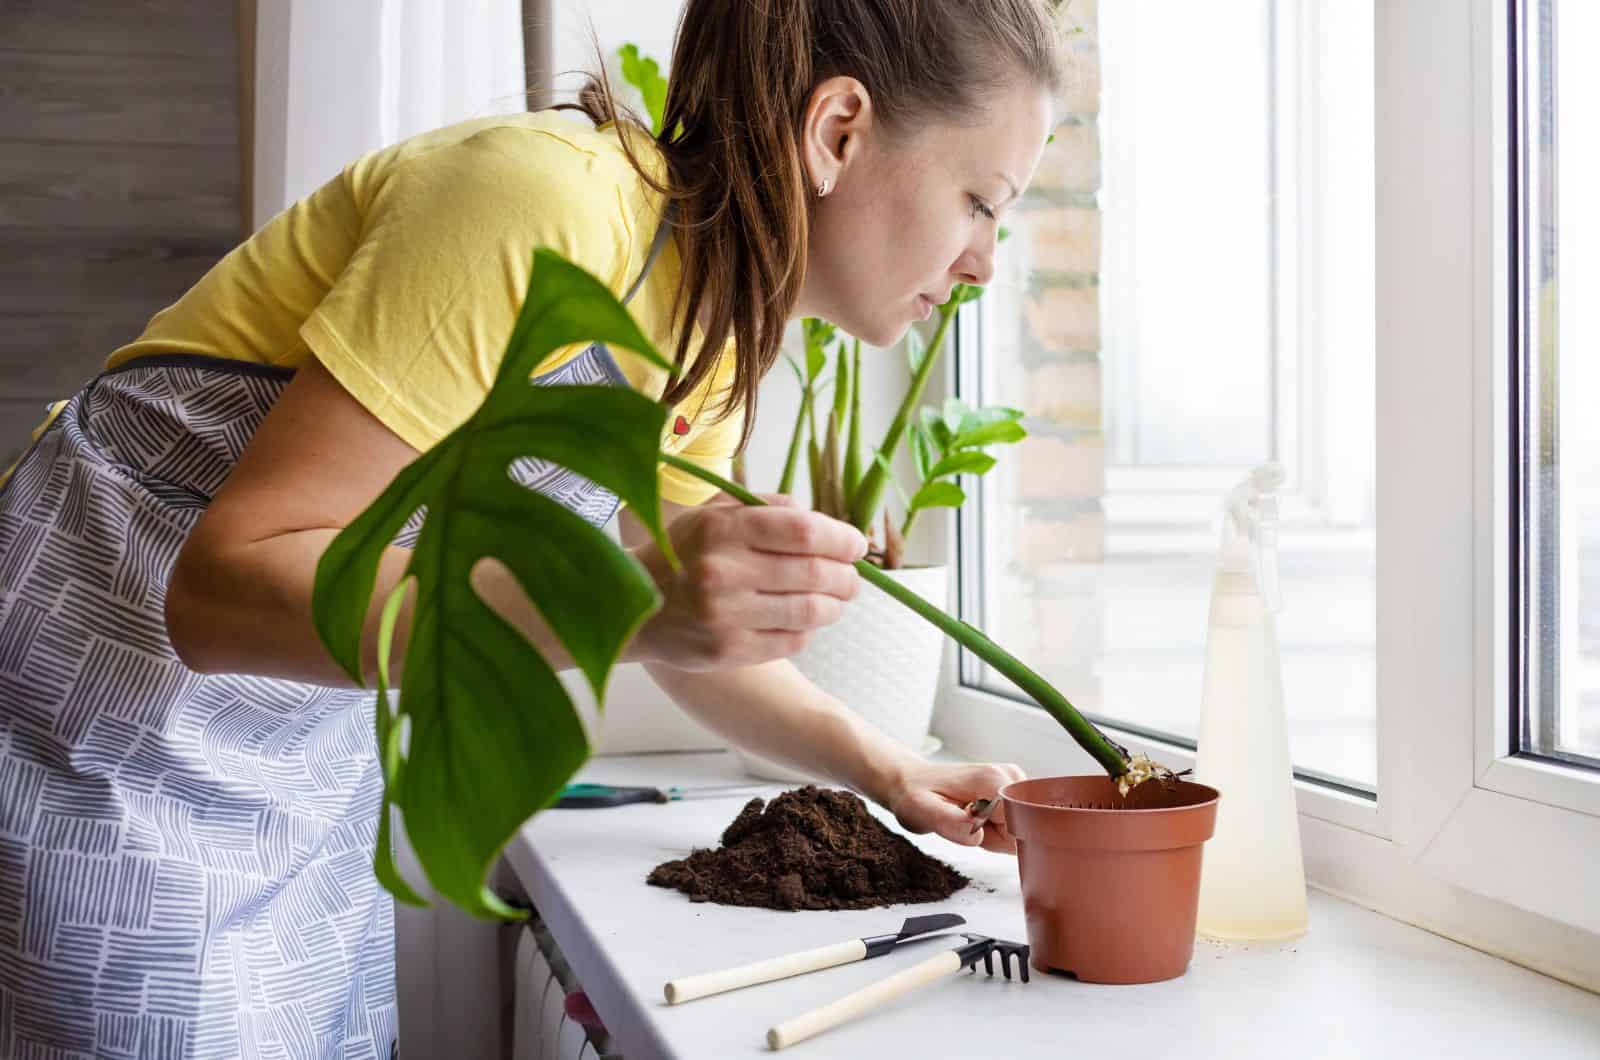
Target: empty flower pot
1110	888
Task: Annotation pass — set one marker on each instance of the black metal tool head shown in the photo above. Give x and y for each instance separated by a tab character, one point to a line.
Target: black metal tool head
921	925
986	946
878	945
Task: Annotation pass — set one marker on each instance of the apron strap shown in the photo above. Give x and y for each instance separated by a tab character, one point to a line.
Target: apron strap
663	233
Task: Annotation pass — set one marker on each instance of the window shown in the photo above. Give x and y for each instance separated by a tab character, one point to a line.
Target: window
1223	319
1557	461
1471	493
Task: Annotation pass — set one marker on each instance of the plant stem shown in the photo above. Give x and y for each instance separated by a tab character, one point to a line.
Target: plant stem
905	527
864	509
852	452
786	483
972	638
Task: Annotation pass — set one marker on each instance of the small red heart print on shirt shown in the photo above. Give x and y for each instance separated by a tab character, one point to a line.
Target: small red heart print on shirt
680	426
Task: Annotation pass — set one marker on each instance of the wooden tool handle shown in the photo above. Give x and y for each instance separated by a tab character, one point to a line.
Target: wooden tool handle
680	990
851	1005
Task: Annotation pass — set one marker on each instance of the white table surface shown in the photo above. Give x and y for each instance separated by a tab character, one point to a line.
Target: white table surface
1358	985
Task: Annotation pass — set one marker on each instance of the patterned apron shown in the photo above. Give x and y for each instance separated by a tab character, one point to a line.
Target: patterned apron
185	859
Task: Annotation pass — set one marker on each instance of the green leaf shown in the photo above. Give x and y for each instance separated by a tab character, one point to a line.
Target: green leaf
938	432
888	472
1002	235
1004	432
388	743
818	334
976	418
644	74
816	359
799	372
937	495
967	293
954	412
493	734
921	451
967	463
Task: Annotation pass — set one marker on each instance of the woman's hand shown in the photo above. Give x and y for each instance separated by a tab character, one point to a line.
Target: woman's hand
752	584
933	797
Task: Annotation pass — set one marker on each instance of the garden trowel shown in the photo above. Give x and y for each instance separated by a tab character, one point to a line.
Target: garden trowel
680	990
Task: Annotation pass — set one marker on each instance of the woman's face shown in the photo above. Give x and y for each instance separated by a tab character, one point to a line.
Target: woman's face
905	220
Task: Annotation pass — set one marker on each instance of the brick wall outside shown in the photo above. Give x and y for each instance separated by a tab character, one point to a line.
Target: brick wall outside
1045	524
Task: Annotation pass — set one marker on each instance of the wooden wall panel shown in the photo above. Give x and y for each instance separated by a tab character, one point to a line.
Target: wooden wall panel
120	177
121	188
119	99
168	28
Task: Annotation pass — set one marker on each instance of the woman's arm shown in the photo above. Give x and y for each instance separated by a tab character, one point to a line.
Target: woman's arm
239	597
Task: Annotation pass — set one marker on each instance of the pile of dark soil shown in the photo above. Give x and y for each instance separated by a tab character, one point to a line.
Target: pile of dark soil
811	848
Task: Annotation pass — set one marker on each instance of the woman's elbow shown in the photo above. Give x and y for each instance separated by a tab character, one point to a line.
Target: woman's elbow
189	630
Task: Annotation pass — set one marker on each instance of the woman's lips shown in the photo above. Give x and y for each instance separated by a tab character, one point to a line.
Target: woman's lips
924	307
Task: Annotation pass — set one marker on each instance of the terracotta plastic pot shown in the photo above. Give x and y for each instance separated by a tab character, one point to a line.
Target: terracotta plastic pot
1110	891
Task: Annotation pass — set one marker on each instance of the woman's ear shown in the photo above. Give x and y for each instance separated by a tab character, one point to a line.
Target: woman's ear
838	115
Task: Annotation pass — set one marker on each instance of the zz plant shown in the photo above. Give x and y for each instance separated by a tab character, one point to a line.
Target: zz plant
847	485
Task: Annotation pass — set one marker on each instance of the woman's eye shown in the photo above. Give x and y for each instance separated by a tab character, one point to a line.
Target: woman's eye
981	207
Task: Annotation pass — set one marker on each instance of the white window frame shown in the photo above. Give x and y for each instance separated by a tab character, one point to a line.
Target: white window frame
1463	838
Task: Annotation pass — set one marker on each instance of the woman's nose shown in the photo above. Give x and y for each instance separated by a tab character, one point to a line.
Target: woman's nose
975	267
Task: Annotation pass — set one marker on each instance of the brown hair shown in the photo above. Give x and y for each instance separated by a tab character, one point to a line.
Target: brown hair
742	73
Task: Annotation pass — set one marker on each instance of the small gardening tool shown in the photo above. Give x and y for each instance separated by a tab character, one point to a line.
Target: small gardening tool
980	811
680	990
936	967
598	796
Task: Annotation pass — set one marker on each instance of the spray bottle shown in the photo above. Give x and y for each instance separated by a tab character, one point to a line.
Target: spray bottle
1252	881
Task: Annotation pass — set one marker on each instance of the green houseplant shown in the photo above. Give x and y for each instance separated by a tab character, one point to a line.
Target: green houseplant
851	483
483	734
879	659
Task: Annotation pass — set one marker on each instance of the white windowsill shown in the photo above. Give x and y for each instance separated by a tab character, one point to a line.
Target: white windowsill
1358	984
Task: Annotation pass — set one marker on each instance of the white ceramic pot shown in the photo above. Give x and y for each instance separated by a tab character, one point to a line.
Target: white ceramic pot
881	660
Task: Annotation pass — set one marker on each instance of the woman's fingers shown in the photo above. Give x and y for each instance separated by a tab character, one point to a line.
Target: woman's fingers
751	581
799	532
998	839
780	612
805	574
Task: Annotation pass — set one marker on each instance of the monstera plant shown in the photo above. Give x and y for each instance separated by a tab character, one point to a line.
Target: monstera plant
483	734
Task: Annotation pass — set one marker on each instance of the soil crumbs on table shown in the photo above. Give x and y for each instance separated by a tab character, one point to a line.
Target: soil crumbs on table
811	848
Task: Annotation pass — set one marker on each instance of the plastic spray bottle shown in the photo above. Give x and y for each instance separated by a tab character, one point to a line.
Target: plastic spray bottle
1252	880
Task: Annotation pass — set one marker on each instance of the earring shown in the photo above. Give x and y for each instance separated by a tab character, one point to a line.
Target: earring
822	189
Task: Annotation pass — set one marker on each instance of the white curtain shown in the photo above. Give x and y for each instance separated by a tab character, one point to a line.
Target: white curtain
444	61
337	79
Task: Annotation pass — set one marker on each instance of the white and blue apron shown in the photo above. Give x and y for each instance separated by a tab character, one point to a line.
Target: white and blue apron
185	859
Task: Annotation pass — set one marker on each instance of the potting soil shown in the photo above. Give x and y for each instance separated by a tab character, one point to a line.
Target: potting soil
811	848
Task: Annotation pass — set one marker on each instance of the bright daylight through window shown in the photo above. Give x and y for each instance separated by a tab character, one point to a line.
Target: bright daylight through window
1198	303
1557	254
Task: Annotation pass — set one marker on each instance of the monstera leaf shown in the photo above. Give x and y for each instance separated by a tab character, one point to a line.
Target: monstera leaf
484	734
644	73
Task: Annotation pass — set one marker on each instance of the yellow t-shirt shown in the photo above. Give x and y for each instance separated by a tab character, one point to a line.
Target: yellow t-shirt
404	274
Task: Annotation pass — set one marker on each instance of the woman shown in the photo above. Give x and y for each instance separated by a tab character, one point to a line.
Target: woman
190	792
